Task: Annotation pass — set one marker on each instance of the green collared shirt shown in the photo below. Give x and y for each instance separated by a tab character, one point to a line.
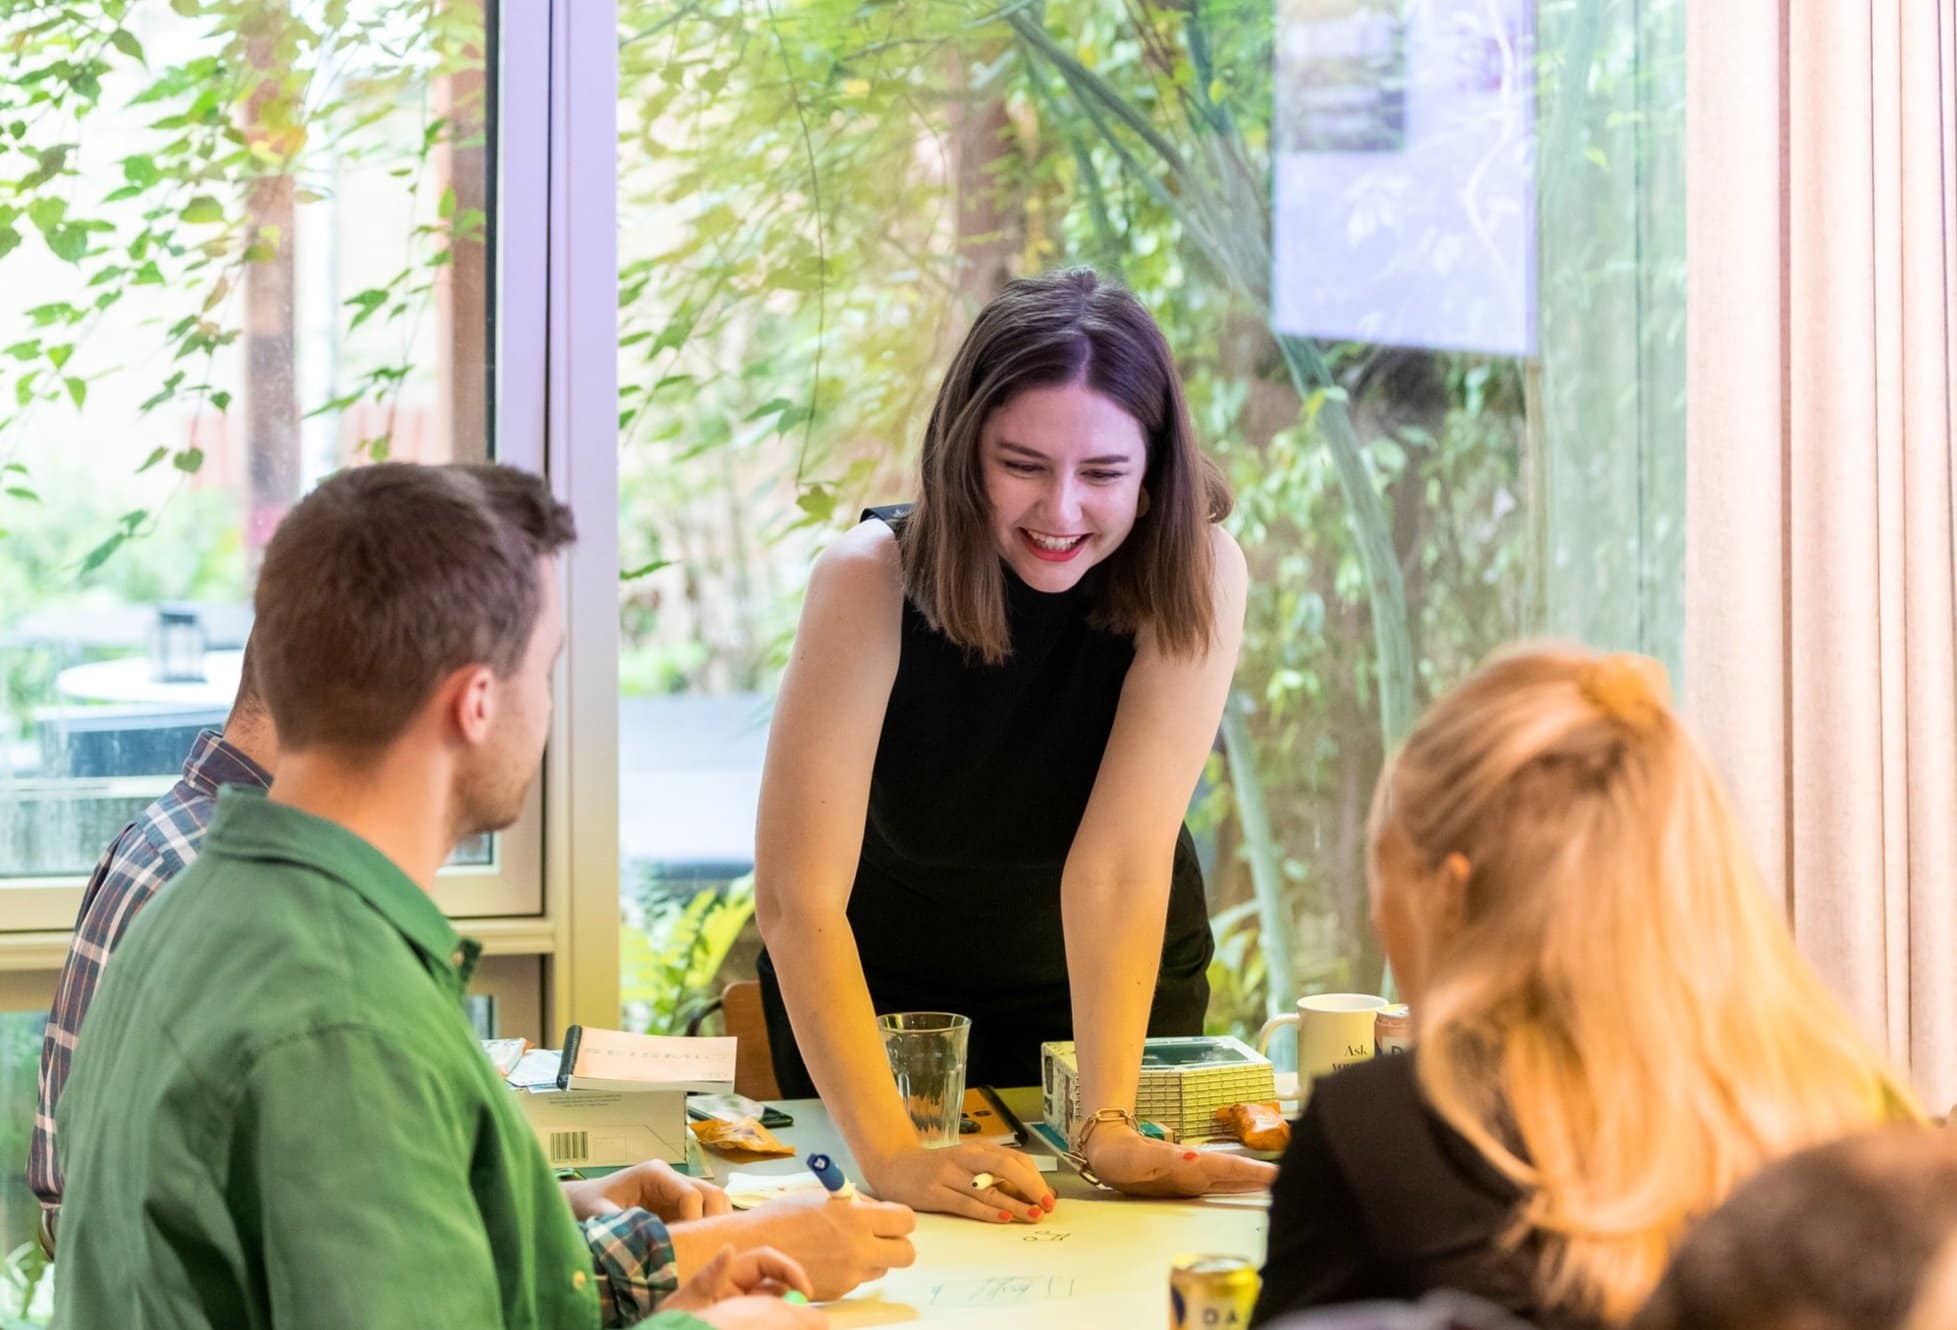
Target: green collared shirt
279	1116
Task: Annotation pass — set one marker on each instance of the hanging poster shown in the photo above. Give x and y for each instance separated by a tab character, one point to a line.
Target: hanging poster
1405	198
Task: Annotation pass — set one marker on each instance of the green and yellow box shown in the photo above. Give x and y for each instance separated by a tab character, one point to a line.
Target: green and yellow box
1184	1081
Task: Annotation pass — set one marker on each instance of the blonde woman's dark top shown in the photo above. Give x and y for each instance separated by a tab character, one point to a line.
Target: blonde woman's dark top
1377	1197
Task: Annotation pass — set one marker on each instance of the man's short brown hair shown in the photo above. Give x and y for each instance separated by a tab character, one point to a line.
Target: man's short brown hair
386	579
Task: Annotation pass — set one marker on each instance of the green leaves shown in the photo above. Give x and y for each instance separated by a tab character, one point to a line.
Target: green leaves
140	170
69	243
127	526
47	213
174	202
367	303
49	163
818	502
202	211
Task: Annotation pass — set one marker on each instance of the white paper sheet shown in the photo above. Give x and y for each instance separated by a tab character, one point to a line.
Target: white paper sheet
613	1059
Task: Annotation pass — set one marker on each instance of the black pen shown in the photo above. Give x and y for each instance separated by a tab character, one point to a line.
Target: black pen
1021	1137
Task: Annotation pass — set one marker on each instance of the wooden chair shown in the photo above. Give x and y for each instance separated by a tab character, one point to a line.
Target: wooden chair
740	1012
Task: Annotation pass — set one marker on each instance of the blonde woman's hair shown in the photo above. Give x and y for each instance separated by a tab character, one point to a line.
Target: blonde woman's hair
1621	1023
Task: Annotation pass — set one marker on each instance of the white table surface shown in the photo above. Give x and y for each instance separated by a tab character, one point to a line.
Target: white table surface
1099	1262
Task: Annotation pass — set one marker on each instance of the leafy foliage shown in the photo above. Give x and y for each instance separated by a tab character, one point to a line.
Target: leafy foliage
674	953
164	169
818	194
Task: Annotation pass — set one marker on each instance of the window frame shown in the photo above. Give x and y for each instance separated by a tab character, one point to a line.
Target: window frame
551	891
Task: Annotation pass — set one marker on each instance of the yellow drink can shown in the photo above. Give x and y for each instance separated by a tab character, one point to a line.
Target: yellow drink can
1211	1293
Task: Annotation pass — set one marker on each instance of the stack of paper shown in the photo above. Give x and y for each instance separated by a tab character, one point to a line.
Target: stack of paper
613	1099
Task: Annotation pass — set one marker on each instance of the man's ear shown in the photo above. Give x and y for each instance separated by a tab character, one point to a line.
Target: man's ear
472	702
1451	891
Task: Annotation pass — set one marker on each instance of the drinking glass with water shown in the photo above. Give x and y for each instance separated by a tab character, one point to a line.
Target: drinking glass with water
927	1056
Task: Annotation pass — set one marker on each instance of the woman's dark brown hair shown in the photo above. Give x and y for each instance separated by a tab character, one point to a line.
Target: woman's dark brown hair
1064	328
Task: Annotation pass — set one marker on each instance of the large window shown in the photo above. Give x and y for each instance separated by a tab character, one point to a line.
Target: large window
1422	265
248	244
242	244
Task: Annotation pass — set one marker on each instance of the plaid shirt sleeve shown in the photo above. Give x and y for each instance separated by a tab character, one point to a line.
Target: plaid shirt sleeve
130	873
633	1257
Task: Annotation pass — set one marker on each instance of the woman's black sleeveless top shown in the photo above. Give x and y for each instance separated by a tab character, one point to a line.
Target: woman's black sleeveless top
982	774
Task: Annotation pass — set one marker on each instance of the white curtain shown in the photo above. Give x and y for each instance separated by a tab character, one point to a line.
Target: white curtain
1821	609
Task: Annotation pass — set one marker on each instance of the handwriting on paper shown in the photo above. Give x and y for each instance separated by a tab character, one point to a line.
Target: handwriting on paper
624	1060
1000	1291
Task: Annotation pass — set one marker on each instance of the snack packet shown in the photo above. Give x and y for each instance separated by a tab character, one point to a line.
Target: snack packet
1258	1126
742	1136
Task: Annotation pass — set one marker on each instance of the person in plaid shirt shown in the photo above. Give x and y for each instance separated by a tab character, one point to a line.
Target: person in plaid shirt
139	862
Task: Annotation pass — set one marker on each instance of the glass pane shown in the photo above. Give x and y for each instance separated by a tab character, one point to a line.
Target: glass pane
24	1293
1421	263
250	246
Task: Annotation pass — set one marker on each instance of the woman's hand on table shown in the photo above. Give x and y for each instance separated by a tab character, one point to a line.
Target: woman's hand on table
941	1181
839	1243
742	1291
654	1185
1128	1161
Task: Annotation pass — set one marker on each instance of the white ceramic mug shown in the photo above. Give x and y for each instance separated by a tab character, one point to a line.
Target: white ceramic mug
1334	1030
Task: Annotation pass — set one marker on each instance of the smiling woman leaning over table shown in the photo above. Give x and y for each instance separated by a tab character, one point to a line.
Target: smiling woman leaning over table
997	707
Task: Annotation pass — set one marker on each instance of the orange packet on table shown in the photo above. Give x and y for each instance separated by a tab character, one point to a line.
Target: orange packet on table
1258	1126
740	1136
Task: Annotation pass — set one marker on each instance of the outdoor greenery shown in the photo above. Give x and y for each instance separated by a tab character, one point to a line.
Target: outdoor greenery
678	939
23	1292
166	177
155	157
157	161
817	197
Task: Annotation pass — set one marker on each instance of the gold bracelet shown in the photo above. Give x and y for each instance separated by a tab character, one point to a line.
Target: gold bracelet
1074	1153
1095	1119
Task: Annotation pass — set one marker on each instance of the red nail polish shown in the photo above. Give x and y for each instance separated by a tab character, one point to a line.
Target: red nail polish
1006	1215
1189	1154
1047	1201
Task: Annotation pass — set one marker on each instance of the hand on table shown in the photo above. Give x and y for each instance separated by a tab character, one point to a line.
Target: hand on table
1130	1162
941	1181
742	1291
839	1243
654	1185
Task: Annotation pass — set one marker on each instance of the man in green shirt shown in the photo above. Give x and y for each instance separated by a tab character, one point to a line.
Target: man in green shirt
280	1117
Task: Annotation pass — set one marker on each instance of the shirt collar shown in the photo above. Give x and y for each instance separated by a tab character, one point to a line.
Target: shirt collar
248	825
215	762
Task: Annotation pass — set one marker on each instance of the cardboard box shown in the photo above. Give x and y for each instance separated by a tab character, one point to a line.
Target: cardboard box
636	1112
606	1128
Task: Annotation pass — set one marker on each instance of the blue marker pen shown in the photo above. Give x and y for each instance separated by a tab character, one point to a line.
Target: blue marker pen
830	1176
